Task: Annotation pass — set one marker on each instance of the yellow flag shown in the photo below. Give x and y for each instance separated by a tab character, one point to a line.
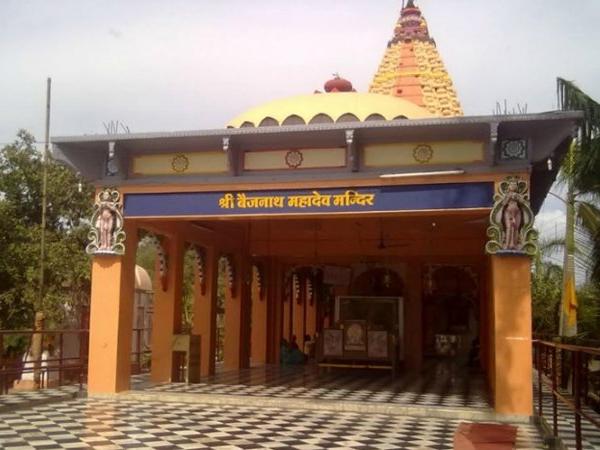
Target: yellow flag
570	301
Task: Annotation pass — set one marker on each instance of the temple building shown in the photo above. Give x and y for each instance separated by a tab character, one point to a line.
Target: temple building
413	69
384	227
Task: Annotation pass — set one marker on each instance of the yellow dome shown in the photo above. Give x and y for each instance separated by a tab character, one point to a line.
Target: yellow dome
328	108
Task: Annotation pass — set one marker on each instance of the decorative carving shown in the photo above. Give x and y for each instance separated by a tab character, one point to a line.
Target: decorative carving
107	236
310	291
513	150
294	159
511	220
230	274
162	260
296	288
258	277
200	257
423	153
180	163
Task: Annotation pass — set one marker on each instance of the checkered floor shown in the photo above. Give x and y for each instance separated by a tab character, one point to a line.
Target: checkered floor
26	398
439	384
126	424
566	421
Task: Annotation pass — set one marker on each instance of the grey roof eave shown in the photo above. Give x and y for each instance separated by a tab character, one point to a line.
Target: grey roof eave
300	129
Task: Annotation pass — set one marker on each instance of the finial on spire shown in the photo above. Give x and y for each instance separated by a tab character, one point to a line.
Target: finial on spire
338	84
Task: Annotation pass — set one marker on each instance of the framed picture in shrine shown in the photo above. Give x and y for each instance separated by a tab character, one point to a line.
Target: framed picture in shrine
377	344
333	342
355	336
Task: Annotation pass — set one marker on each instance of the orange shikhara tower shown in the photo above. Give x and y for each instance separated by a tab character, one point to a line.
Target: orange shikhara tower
413	69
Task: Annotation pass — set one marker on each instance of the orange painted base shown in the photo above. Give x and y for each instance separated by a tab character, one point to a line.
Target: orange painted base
111	317
512	363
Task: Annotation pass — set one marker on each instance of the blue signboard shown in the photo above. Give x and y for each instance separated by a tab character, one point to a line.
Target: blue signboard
311	201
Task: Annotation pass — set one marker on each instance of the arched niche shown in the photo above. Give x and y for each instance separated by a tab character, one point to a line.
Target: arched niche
293	120
321	118
374	117
379	282
348	117
268	122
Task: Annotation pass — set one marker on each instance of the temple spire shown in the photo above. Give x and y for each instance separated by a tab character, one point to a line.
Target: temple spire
412	68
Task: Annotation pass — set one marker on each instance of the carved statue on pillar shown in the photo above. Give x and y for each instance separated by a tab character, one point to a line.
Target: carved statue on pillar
107	236
512	217
511	220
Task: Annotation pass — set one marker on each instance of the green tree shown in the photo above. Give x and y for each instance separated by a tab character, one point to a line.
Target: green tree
546	288
581	175
582	169
67	278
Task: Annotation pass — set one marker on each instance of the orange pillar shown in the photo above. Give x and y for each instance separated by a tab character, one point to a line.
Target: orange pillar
311	310
298	316
287	309
237	309
111	318
413	322
511	291
258	339
275	311
166	318
205	312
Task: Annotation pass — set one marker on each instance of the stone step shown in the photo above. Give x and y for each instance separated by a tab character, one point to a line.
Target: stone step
442	412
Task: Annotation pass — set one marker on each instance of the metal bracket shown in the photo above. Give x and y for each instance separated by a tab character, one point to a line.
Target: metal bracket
352	149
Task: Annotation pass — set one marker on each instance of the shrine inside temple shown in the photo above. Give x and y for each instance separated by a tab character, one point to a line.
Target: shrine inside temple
384	228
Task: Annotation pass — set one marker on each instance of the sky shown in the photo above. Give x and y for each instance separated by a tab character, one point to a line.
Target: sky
182	64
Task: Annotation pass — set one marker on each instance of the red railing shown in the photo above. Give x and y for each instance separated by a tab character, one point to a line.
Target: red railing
141	355
68	369
565	370
58	369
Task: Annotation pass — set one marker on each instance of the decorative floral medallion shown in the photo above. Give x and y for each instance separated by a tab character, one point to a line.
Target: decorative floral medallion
180	163
107	236
294	159
423	153
513	149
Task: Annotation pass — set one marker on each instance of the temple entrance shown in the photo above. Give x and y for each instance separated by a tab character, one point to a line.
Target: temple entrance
408	282
451	318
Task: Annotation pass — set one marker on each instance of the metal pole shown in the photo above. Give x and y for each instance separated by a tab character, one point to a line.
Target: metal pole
577	395
539	346
44	193
61	359
554	399
36	349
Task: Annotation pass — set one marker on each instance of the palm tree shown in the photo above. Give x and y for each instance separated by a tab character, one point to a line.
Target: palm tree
581	174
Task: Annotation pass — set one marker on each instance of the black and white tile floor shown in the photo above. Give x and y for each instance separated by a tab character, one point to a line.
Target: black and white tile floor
16	399
566	421
438	385
125	424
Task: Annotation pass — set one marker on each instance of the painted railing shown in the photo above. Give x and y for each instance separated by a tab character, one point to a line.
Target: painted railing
571	375
60	367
